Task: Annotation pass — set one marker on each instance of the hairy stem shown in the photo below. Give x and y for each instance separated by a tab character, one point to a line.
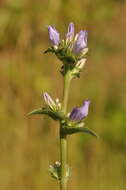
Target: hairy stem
67	80
63	159
63	138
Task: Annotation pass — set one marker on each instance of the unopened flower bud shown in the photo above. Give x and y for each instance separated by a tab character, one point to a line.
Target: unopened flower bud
70	33
57	100
54	35
57	164
49	101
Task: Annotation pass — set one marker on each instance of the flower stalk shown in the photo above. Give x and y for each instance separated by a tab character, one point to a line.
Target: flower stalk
63	161
67	80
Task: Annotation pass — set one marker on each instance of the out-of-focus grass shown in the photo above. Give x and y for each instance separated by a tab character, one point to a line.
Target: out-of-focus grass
29	145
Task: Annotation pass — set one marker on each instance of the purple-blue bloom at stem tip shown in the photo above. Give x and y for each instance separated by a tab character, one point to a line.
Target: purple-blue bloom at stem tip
70	33
53	35
81	42
78	113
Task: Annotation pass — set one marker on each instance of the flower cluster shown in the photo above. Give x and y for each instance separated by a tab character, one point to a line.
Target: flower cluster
72	50
76	45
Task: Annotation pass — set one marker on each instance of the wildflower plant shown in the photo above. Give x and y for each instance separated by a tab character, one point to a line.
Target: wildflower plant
72	51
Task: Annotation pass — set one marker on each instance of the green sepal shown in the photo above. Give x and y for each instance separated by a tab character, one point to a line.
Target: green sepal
72	130
65	55
54	115
75	72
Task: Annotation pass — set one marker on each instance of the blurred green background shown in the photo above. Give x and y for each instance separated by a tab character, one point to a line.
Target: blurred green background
29	145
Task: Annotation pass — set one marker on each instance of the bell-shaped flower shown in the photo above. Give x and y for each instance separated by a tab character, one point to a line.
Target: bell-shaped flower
80	42
70	33
78	113
54	35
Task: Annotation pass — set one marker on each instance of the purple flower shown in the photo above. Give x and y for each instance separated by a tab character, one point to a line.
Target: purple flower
78	113
81	42
70	33
53	35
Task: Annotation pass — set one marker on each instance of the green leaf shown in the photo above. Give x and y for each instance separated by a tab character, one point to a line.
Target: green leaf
47	111
37	111
72	130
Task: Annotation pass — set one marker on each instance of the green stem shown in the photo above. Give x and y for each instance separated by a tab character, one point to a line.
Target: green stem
67	80
63	160
63	138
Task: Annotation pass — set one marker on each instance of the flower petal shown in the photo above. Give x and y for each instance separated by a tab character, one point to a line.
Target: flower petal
85	107
80	42
78	113
73	113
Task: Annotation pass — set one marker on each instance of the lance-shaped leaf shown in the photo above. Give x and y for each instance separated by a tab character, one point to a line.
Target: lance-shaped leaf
46	111
72	130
